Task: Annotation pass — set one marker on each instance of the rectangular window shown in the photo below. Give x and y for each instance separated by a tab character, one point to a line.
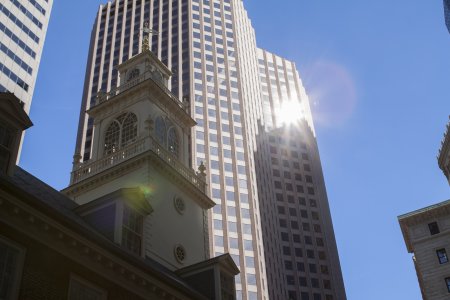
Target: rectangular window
315	283
234	243
11	264
132	230
217	224
292	295
250	261
302	281
434	228
80	289
442	256
248	245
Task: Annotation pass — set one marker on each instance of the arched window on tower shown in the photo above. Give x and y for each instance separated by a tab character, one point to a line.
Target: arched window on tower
121	132
160	130
173	142
129	130
112	138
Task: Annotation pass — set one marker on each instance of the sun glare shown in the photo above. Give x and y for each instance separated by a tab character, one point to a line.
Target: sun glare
290	112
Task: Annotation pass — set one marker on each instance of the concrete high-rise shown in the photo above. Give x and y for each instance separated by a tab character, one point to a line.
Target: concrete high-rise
447	13
23	26
301	255
210	47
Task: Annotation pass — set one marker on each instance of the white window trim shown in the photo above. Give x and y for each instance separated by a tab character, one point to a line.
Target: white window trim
20	264
118	230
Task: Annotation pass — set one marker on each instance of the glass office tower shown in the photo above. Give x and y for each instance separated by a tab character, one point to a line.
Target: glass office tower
23	26
210	46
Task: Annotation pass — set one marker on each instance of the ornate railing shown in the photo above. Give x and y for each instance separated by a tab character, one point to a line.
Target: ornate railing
90	168
147	75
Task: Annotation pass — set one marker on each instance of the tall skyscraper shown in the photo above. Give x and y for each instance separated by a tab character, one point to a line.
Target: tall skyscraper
447	13
23	26
299	244
210	47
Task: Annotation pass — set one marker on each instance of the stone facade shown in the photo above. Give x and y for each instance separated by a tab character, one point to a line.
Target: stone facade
427	235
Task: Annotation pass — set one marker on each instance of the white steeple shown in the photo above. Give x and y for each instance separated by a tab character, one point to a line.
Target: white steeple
141	144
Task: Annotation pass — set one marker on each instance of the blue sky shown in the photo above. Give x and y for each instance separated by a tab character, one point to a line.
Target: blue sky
377	73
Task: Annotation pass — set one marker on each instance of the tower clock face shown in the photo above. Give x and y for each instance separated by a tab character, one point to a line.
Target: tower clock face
133	74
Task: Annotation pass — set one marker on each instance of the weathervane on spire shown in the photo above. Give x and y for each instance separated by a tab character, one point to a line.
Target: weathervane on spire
146	32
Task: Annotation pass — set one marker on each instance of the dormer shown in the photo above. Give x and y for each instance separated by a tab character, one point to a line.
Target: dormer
13	121
120	217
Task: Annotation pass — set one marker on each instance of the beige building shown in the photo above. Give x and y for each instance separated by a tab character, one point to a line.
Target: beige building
427	235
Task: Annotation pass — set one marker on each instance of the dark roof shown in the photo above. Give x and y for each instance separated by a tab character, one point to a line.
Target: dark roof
42	191
48	200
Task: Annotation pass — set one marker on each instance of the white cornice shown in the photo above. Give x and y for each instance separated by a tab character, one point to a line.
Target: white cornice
133	163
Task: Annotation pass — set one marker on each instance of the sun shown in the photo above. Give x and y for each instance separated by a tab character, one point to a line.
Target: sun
290	112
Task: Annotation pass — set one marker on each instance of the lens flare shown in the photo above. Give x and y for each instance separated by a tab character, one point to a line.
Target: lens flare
147	190
290	112
332	92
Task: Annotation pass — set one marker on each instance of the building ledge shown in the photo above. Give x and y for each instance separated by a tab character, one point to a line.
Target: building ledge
86	173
